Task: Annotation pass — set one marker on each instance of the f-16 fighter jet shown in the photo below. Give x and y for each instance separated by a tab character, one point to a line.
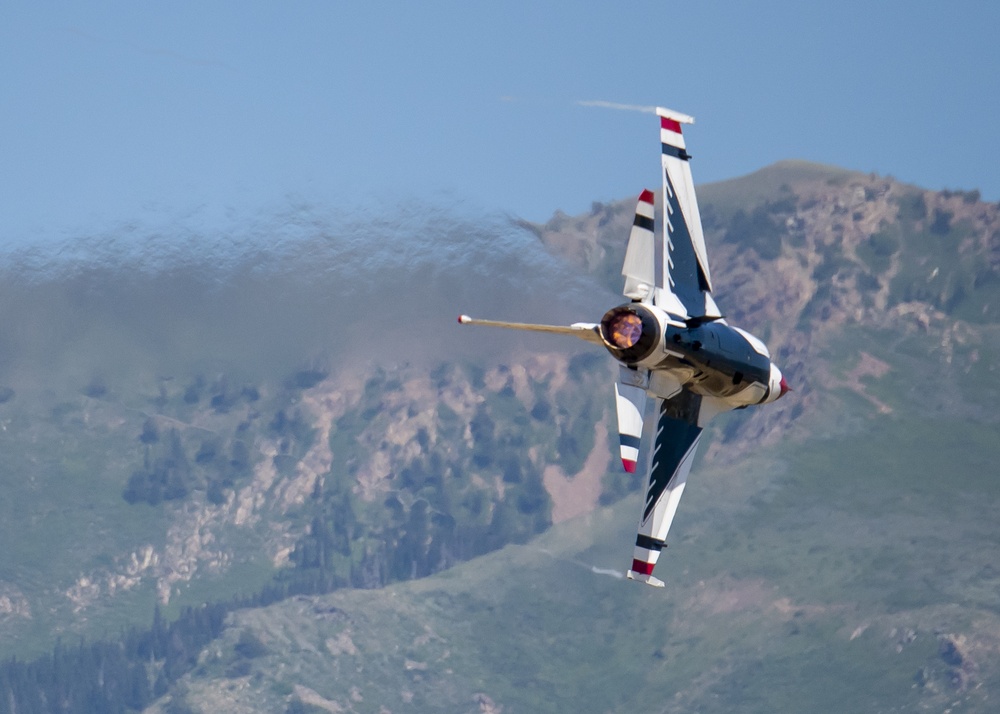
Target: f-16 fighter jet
673	346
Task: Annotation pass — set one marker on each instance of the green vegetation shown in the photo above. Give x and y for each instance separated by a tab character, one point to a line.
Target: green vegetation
877	251
110	676
441	506
933	269
762	228
767	184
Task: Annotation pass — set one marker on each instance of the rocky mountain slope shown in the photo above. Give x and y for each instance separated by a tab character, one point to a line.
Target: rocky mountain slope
833	554
854	514
160	449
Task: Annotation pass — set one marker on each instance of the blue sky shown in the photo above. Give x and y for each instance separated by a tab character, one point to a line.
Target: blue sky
207	114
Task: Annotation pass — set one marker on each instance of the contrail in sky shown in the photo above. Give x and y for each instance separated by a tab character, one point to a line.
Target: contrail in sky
614	105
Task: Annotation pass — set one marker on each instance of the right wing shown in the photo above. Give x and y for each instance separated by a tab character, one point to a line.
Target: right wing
678	432
686	284
584	330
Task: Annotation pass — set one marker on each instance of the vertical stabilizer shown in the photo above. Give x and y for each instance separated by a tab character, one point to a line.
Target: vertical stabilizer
640	261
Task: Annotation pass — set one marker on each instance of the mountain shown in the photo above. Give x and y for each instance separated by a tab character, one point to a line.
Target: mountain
264	418
171	414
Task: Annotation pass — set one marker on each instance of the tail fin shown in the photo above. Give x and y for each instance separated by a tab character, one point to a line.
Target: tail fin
640	262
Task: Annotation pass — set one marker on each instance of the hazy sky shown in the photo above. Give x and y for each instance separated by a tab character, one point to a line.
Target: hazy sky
207	113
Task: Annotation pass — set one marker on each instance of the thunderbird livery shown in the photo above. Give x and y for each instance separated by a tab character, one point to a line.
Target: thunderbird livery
673	345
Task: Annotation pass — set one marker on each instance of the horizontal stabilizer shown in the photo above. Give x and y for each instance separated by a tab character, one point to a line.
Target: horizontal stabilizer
584	330
630	402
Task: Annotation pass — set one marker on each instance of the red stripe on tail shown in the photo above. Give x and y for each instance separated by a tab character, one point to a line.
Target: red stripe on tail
642	568
670	124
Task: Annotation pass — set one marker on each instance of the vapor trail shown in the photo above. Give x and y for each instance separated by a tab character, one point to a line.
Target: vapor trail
614	105
610	572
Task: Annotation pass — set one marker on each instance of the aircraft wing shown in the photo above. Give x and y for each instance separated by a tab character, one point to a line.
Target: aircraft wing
678	431
686	283
584	330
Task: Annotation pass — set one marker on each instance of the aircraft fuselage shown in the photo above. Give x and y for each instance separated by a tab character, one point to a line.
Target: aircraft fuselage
708	357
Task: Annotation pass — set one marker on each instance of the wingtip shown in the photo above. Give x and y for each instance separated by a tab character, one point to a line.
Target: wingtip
629	465
643	578
665	113
462	319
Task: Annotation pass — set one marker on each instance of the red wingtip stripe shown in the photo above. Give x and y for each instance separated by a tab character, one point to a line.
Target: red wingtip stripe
646	196
670	125
629	465
642	568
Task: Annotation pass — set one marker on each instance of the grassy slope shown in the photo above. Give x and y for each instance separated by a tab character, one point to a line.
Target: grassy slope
768	183
62	513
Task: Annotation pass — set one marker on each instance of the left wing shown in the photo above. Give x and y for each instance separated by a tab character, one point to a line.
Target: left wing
584	330
678	432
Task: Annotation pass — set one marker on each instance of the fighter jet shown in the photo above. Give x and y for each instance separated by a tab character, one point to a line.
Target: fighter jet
673	346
